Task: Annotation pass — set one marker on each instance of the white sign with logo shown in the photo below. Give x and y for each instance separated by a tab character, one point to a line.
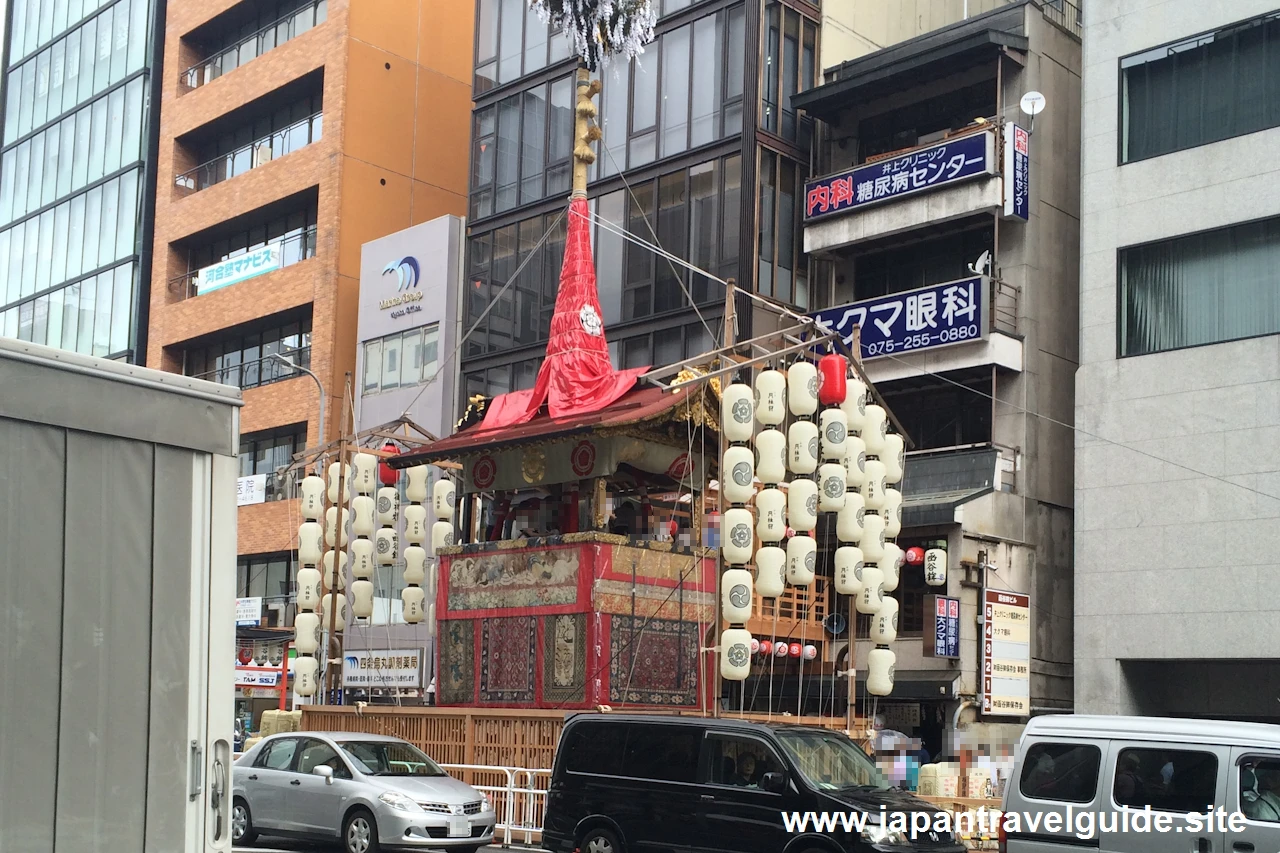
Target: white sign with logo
408	299
251	490
238	269
257	677
382	668
248	611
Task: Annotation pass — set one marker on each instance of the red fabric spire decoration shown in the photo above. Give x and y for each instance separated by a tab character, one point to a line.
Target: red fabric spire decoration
577	377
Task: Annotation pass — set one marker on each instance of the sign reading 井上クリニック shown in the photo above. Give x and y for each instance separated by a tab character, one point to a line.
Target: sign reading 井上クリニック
1006	653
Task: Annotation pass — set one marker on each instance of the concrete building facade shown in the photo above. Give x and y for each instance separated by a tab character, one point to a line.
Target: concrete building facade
1178	392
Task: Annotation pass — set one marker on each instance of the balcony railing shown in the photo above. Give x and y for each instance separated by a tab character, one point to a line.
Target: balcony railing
294	248
1066	14
250	47
254	374
255	154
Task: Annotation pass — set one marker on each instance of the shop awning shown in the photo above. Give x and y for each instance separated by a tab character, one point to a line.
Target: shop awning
917	685
935	484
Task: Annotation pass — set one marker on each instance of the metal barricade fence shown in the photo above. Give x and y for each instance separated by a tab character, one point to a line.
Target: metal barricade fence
518	794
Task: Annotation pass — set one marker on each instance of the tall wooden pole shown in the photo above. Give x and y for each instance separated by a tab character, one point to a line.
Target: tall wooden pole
333	674
730	330
584	131
852	720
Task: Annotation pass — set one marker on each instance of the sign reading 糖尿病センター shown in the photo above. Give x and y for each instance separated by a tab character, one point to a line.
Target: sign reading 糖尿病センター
945	642
925	169
954	312
238	269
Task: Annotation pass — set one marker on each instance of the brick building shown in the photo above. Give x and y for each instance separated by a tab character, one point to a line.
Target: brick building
291	133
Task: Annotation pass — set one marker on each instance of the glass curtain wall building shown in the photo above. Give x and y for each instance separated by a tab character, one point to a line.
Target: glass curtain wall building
76	197
702	154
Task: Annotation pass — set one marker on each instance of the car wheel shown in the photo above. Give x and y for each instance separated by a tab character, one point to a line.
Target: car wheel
600	841
360	833
242	823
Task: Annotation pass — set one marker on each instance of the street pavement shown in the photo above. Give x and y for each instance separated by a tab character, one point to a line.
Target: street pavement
277	845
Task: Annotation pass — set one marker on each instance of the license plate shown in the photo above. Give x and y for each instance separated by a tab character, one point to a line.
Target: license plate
459	827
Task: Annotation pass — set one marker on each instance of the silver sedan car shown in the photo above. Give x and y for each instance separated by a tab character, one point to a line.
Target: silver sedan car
370	791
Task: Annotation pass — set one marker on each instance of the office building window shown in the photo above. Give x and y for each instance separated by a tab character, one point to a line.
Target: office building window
267	452
244	358
925	122
918	263
296	233
92	316
943	412
401	360
237	38
1203	89
790	67
522	148
256	143
783	268
1200	289
511	41
265	576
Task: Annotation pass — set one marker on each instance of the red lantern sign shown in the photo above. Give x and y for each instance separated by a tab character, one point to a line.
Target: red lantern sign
915	556
832	388
796	650
387	475
245	655
766	647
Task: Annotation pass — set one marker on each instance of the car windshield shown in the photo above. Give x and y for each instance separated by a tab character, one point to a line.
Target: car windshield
829	761
389	758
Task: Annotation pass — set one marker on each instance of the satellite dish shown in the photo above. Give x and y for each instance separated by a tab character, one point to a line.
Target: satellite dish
1032	103
835	624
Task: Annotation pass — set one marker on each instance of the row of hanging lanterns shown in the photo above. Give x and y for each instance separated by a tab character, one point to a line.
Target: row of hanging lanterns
842	460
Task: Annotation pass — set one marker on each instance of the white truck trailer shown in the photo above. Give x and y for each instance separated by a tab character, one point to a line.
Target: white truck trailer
117	596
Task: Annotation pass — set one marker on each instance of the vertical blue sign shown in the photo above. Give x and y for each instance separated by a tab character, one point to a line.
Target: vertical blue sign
945	641
1016	168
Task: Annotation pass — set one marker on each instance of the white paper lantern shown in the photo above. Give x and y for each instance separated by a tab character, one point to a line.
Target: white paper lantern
771	394
880	665
891	512
416	481
771	456
738	536
855	403
875	425
441	536
415	523
362	559
855	462
802	388
848	569
336	471
780	649
306	633
443	498
849	521
872	594
873	486
310	542
737	474
802	504
831	485
736	595
415	564
412	597
384	546
894	458
364	473
771	571
872	541
735	654
305	670
891	566
326	602
802	559
335	530
771	509
312	492
835	434
935	567
362	511
802	447
362	599
737	412
308	588
388	505
810	652
336	579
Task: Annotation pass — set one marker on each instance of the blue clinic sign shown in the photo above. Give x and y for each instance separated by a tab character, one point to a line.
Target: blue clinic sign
1016	168
954	312
235	270
945	642
926	169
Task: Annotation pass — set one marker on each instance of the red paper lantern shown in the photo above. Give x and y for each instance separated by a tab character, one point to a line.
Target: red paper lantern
831	386
796	650
245	655
915	556
387	475
766	647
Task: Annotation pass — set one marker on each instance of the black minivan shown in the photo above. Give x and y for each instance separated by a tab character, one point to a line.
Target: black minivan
665	784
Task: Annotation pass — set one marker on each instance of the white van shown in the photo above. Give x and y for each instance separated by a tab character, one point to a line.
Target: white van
1143	785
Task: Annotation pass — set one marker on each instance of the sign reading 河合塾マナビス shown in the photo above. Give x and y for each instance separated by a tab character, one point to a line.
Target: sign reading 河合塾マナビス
238	269
945	641
954	312
1006	653
382	668
925	169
